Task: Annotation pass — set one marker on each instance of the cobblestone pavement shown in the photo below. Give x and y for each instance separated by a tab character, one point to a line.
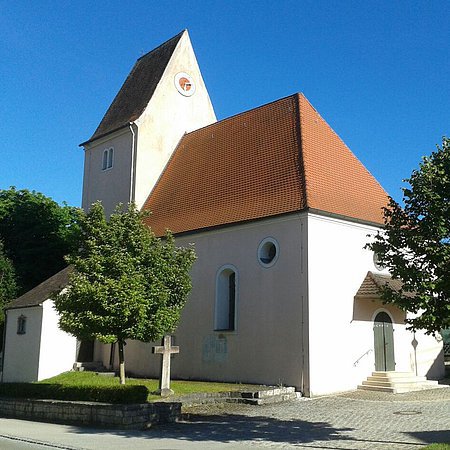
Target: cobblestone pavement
353	420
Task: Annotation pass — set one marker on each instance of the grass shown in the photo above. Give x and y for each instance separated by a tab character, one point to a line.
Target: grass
437	447
88	386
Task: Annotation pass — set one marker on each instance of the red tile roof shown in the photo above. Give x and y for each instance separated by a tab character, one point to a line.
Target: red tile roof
374	282
279	158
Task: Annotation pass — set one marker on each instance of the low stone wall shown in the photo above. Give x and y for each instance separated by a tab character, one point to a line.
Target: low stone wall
136	416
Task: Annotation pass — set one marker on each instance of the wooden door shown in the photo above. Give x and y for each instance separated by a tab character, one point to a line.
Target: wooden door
383	333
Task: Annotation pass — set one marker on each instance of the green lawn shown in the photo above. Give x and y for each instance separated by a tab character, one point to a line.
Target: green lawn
437	447
88	386
80	379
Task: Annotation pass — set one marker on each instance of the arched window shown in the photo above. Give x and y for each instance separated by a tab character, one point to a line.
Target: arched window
108	158
225	312
21	325
105	160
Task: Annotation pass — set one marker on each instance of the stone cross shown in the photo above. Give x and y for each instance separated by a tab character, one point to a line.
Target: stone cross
166	350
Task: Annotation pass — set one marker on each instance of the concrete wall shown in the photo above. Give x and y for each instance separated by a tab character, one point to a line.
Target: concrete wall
266	346
58	349
113	185
21	353
341	327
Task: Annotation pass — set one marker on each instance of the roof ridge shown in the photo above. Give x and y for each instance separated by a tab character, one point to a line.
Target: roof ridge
298	129
234	116
161	45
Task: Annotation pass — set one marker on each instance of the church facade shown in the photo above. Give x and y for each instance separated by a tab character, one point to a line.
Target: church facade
279	210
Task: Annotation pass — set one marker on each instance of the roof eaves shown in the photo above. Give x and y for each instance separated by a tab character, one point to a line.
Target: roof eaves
92	139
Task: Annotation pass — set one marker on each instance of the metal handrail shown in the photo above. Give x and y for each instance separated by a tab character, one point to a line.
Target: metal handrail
362	356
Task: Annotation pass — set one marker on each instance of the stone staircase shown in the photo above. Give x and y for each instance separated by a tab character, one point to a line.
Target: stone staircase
396	382
93	366
261	396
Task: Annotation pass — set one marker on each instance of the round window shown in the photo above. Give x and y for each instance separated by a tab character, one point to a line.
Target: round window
268	252
376	262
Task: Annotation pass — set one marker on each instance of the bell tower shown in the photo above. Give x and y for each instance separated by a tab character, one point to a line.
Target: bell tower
163	97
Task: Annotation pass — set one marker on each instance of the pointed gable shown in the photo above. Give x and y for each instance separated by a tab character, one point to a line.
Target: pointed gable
276	159
138	88
337	182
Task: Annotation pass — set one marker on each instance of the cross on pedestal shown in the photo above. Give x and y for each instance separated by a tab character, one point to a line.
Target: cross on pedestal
165	350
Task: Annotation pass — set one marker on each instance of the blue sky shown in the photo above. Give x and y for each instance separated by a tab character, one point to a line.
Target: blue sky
377	71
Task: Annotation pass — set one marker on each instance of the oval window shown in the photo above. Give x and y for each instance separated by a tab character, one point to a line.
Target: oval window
268	252
376	262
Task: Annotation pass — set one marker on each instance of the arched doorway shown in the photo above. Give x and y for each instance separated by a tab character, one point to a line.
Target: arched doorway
383	335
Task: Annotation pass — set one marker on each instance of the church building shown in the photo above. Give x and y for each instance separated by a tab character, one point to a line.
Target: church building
279	210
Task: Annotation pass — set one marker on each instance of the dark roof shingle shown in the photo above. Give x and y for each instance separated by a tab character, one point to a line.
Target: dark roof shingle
137	90
43	291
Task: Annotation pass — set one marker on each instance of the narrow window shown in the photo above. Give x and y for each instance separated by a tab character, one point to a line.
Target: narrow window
105	160
225	313
110	157
21	325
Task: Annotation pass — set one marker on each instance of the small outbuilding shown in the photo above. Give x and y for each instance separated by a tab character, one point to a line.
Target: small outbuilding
35	348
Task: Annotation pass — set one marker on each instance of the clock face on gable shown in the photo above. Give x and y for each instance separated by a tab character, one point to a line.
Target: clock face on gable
185	84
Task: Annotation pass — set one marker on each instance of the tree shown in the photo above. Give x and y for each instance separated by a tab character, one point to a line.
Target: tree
8	287
37	233
127	284
415	244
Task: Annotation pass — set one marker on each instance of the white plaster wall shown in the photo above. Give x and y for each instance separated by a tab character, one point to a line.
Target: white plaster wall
58	348
341	328
168	116
267	345
21	353
111	186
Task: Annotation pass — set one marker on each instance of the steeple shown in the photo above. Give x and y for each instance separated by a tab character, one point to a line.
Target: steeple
162	98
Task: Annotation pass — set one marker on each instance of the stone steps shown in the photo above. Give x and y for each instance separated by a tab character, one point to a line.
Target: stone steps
92	366
396	382
263	396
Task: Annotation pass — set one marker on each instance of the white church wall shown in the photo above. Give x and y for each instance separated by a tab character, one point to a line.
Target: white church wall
168	116
21	352
111	185
426	358
58	348
337	265
341	327
266	346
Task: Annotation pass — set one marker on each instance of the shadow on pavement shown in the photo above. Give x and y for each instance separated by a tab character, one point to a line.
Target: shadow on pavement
430	437
228	428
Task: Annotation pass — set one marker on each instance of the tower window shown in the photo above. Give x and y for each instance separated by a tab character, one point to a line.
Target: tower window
21	325
108	158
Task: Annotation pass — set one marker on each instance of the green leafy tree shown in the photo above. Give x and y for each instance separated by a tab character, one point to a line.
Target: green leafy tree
127	284
37	233
8	287
415	244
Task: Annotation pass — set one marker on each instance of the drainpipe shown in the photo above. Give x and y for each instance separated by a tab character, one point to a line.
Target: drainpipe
133	129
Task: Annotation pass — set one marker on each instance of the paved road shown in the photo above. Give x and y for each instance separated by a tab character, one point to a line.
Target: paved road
356	420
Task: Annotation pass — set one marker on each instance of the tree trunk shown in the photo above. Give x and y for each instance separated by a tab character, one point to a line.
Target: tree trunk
121	363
